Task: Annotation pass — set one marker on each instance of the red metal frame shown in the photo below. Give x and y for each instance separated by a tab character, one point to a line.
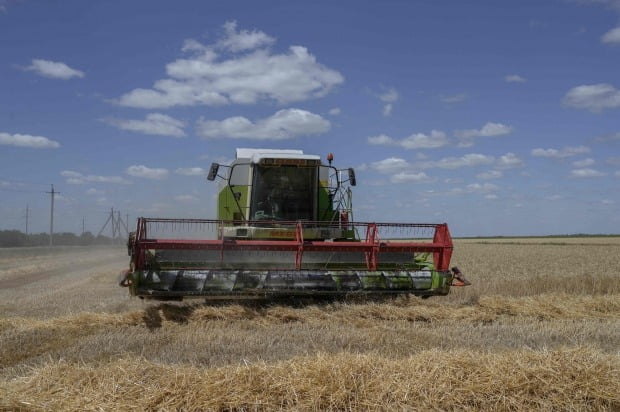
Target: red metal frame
441	245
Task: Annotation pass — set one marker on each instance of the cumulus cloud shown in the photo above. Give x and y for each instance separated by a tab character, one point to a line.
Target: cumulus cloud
614	161
491	174
250	73
147	172
613	137
457	98
593	97
612	36
95	192
184	198
433	140
284	124
584	163
54	70
514	78
481	188
191	171
334	111
388	98
467	160
77	178
26	140
560	153
154	124
490	129
586	173
390	165
239	40
409	177
509	161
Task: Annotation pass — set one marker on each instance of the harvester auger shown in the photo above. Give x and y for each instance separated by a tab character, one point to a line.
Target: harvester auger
285	228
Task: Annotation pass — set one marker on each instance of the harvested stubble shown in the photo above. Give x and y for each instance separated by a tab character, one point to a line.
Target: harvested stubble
485	309
449	380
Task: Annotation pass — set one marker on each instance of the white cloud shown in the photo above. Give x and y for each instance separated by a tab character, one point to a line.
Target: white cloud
335	111
147	172
407	177
593	97
468	160
457	98
381	139
491	196
614	161
560	153
70	173
491	174
490	129
154	124
612	36
236	41
509	161
612	137
514	78
586	173
284	124
26	140
184	198
584	163
481	188
76	178
191	171
95	192
390	165
433	140
55	70
205	78
617	173
389	98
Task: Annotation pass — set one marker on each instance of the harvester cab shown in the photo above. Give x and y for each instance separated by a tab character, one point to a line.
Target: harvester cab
285	227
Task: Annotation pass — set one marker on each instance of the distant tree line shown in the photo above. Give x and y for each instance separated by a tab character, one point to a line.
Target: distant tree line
16	238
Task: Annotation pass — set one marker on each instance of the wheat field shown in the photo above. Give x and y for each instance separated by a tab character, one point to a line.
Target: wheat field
538	329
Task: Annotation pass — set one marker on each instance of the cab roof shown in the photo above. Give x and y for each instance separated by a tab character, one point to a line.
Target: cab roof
255	155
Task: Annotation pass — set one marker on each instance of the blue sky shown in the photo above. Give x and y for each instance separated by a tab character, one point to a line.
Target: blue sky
498	117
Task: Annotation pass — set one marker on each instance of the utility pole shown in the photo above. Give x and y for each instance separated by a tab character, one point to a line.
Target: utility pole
82	225
113	224
27	213
106	224
52	193
116	221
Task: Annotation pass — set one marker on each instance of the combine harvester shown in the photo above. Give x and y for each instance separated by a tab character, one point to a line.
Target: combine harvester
285	228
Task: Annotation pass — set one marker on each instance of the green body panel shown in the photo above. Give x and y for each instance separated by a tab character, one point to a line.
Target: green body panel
231	209
326	209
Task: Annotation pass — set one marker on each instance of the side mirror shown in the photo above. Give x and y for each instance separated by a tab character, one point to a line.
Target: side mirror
352	177
213	171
